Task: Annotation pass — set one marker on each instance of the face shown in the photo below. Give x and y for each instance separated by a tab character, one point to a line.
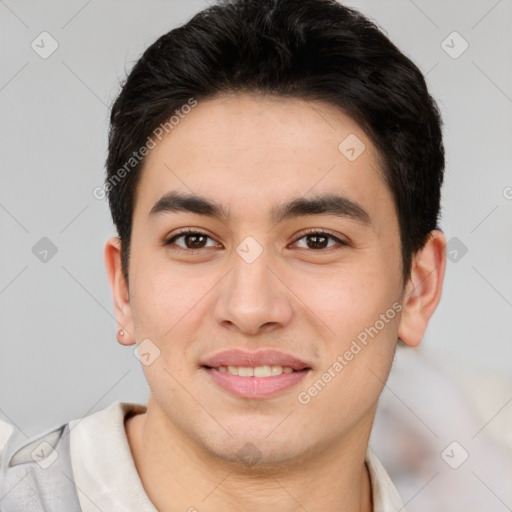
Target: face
294	265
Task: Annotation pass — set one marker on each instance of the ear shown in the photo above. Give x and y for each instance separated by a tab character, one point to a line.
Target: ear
120	291
423	290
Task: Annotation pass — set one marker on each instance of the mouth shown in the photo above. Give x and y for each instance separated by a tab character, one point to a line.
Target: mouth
255	375
259	371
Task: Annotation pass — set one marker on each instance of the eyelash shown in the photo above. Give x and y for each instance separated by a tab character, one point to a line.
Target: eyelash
189	231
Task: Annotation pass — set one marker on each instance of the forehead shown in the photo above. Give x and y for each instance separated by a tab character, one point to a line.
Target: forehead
250	153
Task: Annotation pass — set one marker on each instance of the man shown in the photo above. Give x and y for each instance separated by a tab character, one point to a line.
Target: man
274	174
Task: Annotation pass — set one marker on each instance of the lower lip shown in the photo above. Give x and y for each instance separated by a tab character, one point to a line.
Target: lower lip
255	387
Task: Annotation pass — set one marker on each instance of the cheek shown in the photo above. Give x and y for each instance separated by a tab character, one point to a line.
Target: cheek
358	310
163	310
159	299
168	305
349	299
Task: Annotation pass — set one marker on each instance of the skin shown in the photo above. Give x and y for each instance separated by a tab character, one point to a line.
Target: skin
251	153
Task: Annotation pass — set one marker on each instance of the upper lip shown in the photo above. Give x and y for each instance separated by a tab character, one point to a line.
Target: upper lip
263	357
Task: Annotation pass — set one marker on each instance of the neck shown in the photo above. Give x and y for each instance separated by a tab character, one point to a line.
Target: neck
177	474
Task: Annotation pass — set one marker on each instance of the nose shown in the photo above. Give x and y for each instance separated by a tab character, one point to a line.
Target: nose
254	298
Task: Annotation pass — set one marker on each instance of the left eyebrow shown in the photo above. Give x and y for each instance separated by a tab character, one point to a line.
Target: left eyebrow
330	204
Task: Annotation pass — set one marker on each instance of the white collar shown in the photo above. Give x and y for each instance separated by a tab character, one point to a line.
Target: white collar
106	477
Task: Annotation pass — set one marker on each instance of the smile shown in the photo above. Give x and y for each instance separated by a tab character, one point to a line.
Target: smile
255	383
258	371
256	374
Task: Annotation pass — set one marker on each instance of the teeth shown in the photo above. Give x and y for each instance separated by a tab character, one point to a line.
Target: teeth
245	372
262	371
258	371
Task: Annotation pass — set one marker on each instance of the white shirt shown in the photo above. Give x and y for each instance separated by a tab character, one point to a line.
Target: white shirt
105	473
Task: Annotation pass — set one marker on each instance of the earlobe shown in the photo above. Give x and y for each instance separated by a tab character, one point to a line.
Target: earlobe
125	331
423	290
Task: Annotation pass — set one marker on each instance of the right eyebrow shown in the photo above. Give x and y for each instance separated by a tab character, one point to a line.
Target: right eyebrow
177	202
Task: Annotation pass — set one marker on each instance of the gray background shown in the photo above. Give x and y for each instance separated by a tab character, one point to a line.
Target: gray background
59	357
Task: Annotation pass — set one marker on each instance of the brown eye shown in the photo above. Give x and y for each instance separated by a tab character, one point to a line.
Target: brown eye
190	240
319	240
195	241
